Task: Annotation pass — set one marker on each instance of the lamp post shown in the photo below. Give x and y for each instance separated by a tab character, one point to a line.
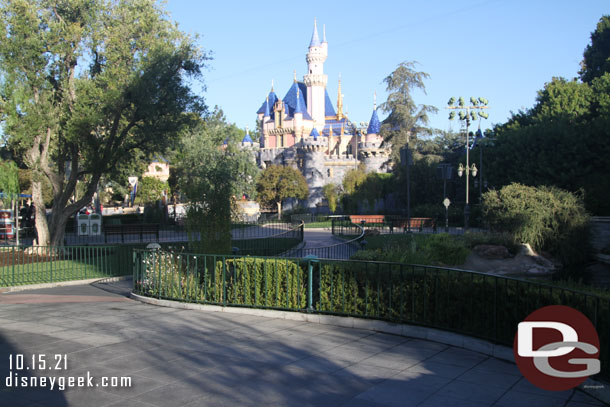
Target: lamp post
466	114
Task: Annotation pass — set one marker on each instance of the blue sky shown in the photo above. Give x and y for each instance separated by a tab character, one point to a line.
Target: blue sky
502	50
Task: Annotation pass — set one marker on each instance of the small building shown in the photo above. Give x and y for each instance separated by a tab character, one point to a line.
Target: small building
158	168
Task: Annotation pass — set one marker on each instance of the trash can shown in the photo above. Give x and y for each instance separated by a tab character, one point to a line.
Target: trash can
95	224
83	225
7	228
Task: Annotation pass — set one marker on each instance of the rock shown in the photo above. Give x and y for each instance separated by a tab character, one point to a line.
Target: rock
488	251
526	250
371	232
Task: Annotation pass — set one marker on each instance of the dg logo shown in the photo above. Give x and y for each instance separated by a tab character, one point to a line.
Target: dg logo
556	348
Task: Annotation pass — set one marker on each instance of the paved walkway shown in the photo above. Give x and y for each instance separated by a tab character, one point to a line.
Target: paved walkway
194	358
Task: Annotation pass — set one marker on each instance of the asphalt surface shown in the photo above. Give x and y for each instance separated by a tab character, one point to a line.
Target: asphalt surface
198	358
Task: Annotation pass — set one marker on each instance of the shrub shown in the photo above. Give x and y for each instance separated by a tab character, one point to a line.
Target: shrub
438	249
547	218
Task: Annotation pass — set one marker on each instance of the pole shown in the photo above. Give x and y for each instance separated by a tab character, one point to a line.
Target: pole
408	191
481	171
467	207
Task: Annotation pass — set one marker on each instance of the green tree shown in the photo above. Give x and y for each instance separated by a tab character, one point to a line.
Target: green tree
277	183
83	84
212	175
150	190
406	120
331	192
353	179
596	59
9	181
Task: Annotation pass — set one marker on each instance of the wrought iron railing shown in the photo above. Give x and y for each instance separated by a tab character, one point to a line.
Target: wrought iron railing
476	304
34	265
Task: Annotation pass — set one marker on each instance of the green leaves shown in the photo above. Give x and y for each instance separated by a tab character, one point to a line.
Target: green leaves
277	183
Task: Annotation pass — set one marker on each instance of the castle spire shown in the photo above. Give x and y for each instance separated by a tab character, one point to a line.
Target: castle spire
295	75
267	110
271	85
339	101
315	40
375	101
324	33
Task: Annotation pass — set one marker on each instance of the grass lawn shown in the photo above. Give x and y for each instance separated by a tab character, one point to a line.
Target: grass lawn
313	225
58	270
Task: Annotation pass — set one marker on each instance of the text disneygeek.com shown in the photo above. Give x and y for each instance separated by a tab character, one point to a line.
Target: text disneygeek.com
20	367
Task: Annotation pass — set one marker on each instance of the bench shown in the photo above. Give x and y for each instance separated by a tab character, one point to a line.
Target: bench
358	219
414	223
131	229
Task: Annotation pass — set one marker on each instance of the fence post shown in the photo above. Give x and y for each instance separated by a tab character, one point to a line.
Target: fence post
134	268
311	259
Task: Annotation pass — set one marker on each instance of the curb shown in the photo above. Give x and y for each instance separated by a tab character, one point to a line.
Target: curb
18	288
594	388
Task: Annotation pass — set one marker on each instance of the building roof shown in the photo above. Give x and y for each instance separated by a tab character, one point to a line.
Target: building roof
315	40
329	110
272	97
247	138
290	101
336	125
314	133
374	124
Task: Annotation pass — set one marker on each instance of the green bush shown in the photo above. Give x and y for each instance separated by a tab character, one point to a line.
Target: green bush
547	218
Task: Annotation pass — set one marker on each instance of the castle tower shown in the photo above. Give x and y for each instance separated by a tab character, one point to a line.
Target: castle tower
316	80
370	152
314	148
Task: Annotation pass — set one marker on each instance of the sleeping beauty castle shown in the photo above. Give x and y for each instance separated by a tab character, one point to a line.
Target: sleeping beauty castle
304	130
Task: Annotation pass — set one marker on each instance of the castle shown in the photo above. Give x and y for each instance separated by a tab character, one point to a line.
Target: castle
303	130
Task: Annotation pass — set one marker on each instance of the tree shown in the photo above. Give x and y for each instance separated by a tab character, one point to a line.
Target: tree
212	177
277	183
596	59
84	83
150	189
406	120
331	193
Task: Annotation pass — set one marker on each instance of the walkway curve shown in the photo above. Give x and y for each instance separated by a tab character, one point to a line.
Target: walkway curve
195	358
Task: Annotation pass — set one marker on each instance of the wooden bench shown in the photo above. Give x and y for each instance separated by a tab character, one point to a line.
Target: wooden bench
415	223
358	219
131	229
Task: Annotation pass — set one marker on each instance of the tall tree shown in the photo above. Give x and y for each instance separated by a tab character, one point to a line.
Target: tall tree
212	175
277	183
406	120
596	59
84	83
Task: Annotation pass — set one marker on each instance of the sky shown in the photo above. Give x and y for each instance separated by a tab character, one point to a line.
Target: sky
502	50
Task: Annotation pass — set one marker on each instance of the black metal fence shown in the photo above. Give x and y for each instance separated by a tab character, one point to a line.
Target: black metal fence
471	303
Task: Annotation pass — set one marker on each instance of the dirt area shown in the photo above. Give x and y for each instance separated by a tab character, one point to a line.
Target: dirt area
10	257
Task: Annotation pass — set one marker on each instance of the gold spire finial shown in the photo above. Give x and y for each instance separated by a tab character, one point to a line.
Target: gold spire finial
271	85
295	76
339	101
375	100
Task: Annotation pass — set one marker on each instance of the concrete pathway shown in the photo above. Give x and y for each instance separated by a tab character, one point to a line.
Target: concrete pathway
194	358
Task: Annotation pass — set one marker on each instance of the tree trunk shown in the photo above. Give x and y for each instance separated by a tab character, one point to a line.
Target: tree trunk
42	228
58	230
279	210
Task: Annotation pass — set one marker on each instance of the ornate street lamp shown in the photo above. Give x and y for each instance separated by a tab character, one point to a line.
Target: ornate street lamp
466	114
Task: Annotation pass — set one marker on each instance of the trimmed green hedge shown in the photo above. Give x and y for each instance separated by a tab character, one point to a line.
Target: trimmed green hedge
476	304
